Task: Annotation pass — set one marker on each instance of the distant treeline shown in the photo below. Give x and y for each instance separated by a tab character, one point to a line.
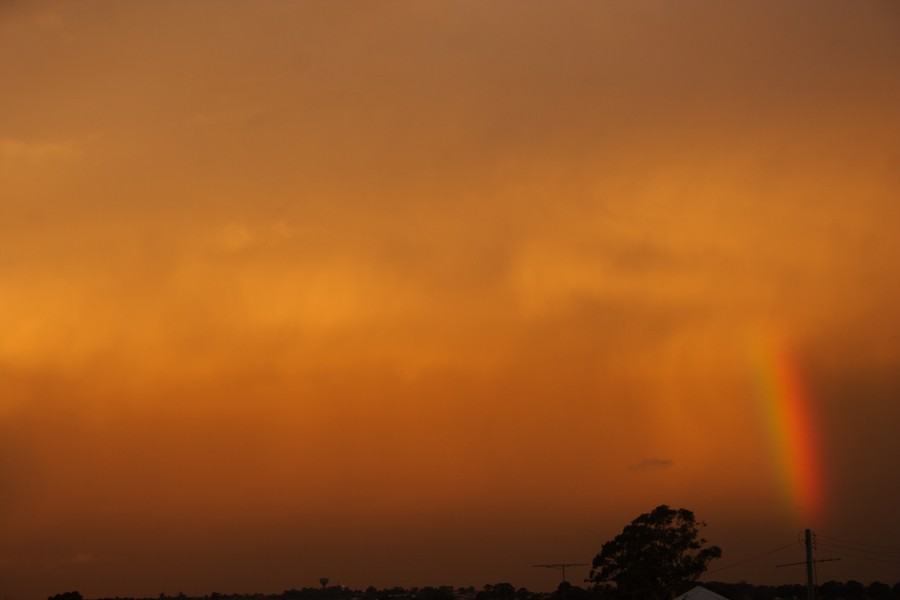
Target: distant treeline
831	590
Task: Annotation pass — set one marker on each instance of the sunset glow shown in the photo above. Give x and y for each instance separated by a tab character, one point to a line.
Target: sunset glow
425	293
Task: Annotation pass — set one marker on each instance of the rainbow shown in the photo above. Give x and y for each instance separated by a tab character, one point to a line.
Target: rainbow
791	425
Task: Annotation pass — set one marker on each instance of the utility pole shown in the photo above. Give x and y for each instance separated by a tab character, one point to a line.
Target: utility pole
809	562
810	580
563	567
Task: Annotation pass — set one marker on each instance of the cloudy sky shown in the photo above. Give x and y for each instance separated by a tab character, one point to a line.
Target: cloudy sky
415	293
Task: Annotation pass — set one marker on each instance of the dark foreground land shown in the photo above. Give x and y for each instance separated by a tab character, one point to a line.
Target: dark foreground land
831	590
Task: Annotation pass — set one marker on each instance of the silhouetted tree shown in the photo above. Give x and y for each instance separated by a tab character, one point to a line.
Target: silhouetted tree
854	590
831	590
567	591
66	596
878	591
497	591
658	556
792	590
742	590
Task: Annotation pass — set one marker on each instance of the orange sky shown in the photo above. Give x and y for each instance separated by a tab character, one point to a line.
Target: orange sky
428	292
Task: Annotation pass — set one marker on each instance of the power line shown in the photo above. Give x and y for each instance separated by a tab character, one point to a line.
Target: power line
751	559
882	560
742	562
810	564
843	547
889	548
804	562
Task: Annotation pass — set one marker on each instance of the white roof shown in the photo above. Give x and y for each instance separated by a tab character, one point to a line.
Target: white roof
700	593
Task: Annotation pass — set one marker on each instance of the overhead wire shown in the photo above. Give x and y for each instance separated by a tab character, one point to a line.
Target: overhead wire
843	547
893	549
869	558
742	562
751	559
859	550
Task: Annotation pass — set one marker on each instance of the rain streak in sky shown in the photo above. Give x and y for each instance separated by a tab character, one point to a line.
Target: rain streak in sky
424	293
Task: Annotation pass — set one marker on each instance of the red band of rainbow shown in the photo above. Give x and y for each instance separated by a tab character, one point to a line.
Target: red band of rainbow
792	427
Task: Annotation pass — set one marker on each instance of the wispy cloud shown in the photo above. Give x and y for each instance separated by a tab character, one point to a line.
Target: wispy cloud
48	19
80	558
222	117
652	464
236	237
40	150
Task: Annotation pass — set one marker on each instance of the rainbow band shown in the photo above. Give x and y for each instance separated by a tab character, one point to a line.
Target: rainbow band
792	427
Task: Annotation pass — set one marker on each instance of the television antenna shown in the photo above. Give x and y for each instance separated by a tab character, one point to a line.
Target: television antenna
562	567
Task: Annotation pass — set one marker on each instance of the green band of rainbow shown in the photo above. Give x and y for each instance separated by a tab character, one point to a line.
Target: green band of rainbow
792	427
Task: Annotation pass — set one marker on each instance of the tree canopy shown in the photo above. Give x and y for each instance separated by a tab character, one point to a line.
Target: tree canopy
658	556
66	596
